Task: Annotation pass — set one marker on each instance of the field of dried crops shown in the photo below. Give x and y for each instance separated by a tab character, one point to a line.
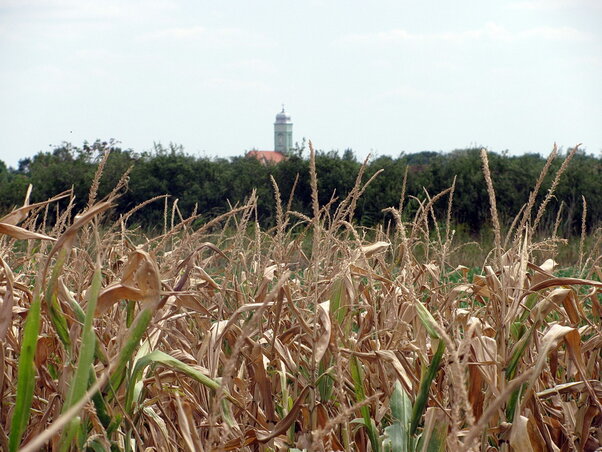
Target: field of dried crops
315	335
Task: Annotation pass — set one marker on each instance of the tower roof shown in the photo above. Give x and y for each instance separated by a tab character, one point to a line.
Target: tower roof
283	117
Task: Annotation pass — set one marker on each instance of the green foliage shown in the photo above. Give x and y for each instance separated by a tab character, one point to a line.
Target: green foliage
208	185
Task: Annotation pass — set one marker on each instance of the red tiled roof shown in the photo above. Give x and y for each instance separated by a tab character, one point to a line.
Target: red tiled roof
267	156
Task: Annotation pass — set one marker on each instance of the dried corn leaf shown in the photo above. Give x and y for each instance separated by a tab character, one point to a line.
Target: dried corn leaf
140	282
554	299
321	345
390	356
115	292
287	421
22	234
572	387
18	215
550	341
208	280
262	381
561	282
189	301
542	272
519	435
7	300
375	248
187	427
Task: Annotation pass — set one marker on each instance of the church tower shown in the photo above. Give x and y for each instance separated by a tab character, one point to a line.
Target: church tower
283	132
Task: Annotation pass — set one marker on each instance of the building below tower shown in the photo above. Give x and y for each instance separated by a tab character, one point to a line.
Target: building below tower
283	141
267	157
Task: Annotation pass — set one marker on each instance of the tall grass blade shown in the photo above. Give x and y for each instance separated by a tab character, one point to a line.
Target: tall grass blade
81	379
126	353
56	314
163	358
360	396
425	384
26	376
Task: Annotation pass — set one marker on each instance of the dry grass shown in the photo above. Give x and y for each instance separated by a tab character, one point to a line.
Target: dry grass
235	338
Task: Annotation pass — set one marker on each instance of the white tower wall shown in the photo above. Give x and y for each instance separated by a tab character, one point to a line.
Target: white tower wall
283	132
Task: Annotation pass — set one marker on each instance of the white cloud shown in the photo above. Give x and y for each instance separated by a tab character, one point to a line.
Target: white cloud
415	93
531	5
253	66
177	33
553	33
231	84
86	10
211	36
490	31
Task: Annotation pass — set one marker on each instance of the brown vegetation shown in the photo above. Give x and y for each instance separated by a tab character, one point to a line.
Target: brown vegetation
316	334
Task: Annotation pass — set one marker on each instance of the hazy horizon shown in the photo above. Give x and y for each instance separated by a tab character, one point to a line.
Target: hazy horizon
391	77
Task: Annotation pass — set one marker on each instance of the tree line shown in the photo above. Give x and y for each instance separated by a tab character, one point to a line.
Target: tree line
210	186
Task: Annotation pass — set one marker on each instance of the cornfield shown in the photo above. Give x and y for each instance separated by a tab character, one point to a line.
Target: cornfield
313	335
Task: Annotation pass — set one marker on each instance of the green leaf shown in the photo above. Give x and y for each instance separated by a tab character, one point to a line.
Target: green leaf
80	315
395	439
26	375
517	329
425	384
434	435
79	383
325	381
360	396
160	357
337	301
135	333
517	353
96	446
401	409
529	303
427	320
401	405
512	402
437	440
55	313
100	405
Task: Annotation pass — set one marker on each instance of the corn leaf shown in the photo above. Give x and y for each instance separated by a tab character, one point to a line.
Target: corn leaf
26	375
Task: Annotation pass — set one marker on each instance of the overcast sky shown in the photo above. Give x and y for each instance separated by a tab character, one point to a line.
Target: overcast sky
381	77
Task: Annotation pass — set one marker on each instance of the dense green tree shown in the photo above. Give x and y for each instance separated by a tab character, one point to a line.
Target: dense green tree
208	186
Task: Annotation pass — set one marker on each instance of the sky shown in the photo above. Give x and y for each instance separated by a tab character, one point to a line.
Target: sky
378	77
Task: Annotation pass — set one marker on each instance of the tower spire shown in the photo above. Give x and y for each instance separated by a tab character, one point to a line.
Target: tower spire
283	132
